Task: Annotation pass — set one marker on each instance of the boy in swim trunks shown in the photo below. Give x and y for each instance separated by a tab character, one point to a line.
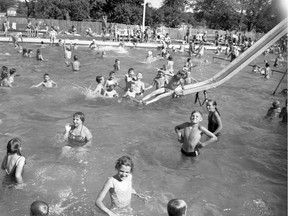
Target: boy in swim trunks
192	135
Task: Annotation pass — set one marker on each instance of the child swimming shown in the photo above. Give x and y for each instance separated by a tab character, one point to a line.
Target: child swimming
13	163
192	135
111	92
75	64
274	110
214	120
39	56
39	208
177	207
116	65
119	186
76	133
47	82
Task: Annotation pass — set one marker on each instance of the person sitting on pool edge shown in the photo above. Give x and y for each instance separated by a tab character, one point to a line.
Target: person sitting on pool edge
39	208
192	135
175	84
177	207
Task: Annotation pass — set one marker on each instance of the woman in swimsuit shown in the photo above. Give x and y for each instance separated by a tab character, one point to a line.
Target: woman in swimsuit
14	162
214	120
77	134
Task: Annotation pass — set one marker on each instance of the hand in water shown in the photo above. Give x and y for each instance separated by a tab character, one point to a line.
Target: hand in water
20	186
143	197
68	127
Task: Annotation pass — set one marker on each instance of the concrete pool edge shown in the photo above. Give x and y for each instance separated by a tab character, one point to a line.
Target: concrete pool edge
102	43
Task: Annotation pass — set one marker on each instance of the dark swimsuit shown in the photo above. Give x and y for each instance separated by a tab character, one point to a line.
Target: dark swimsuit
76	140
212	124
13	170
191	154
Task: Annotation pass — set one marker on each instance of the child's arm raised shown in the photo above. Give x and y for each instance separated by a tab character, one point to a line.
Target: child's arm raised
212	136
99	201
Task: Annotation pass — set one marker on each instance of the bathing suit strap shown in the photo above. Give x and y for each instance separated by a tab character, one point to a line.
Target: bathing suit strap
14	167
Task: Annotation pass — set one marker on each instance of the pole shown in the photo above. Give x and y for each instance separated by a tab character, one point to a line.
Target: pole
279	83
144	12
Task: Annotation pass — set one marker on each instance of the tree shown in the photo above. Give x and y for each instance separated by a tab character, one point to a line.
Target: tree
5	4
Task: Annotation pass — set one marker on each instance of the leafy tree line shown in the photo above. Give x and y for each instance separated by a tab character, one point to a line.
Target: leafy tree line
258	15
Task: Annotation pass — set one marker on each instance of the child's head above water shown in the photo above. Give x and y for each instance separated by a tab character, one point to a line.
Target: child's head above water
14	146
276	104
124	161
46	77
99	79
12	71
196	116
79	115
39	208
176	207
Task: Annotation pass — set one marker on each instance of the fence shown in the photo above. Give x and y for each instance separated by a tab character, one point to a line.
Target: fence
175	33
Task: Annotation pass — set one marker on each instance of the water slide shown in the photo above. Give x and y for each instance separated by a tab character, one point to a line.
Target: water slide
241	61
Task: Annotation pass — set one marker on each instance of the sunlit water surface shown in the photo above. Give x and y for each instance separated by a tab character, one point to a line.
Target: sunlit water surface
244	173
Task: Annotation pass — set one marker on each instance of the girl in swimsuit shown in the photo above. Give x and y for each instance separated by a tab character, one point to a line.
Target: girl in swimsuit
14	162
77	134
120	188
214	120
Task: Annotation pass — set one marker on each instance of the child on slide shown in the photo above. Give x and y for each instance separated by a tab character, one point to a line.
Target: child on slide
175	84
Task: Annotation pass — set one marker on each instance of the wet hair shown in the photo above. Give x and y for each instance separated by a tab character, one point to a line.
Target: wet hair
24	51
130	69
81	116
12	71
39	208
111	72
4	68
126	161
13	146
214	103
197	111
75	57
98	79
176	207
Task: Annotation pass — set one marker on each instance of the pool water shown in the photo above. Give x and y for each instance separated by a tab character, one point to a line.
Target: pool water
244	173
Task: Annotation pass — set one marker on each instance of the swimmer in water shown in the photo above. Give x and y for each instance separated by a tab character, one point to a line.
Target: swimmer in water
39	208
14	162
47	82
76	133
192	134
119	186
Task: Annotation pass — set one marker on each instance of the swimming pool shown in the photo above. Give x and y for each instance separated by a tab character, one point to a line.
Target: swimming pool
244	173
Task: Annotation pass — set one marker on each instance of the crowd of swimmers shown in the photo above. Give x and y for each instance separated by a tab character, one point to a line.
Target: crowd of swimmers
192	135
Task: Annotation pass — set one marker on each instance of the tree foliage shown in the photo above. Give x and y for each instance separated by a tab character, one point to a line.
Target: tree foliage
259	15
5	4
